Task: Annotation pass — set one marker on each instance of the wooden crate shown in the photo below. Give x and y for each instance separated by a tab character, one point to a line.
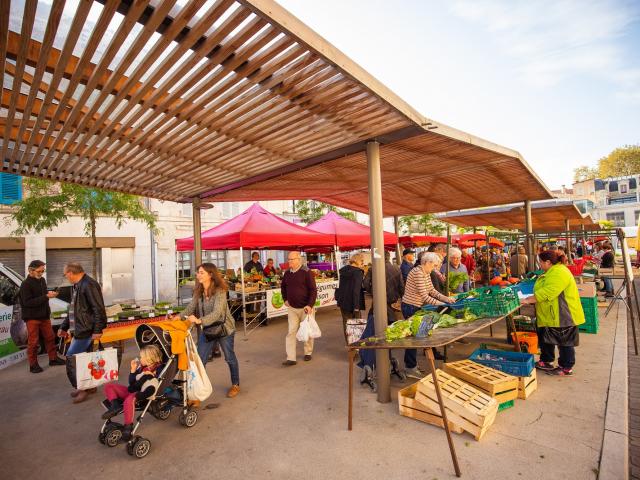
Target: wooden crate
527	385
502	386
469	408
409	407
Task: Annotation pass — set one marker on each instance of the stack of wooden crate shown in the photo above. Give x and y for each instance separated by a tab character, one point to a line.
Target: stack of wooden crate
468	409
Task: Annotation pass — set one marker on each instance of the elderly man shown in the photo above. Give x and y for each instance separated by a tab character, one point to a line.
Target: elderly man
87	318
299	293
34	302
407	263
519	262
456	266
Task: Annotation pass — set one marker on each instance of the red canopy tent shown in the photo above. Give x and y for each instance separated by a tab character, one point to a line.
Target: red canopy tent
493	242
347	234
257	228
420	240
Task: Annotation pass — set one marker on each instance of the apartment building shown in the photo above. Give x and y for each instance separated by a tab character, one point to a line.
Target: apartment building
616	199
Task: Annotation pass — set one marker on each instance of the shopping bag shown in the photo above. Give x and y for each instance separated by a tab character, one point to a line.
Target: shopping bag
355	328
303	330
314	329
96	368
198	384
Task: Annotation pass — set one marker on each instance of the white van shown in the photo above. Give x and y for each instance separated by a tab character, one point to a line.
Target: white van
10	282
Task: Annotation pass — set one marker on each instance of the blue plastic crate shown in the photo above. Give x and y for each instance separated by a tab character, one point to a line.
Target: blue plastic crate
526	287
513	363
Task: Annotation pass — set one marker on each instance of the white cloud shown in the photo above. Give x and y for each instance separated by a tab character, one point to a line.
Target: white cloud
551	40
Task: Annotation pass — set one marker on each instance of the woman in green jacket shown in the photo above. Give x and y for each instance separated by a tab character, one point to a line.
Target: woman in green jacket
559	312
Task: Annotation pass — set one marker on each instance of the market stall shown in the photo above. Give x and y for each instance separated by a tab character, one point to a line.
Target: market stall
256	229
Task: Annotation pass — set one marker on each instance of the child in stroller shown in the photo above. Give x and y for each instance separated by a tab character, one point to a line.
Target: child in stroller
155	385
143	383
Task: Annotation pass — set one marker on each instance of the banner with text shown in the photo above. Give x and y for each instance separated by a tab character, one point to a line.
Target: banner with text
9	352
326	297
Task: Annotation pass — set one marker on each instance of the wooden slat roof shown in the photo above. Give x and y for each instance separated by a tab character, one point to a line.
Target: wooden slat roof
547	216
223	100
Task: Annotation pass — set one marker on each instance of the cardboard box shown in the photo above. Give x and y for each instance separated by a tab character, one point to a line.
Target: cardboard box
587	290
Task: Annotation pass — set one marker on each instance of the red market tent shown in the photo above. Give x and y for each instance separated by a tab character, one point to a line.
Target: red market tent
467	237
421	240
257	228
347	234
493	242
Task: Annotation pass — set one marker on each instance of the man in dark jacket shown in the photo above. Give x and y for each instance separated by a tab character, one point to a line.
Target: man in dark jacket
254	263
87	318
350	295
407	263
34	303
393	282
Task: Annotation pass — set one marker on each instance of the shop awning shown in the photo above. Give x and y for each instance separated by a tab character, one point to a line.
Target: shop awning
348	234
225	100
547	216
257	228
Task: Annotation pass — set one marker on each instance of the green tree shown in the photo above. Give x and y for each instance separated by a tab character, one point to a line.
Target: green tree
426	224
310	211
48	204
622	161
584	172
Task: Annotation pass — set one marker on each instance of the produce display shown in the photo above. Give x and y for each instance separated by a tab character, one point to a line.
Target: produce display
455	279
422	323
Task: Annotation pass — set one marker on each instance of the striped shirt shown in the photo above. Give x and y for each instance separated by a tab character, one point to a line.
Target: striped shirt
419	290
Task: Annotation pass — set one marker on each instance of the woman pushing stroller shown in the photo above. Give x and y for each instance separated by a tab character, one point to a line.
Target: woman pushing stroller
143	383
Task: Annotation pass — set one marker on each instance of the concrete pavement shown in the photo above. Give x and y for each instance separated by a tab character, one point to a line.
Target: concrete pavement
290	423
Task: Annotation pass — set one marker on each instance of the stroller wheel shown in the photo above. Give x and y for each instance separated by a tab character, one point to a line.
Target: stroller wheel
112	435
101	437
163	414
189	418
140	447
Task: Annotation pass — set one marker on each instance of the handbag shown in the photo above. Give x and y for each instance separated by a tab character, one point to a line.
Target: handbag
96	368
214	331
198	383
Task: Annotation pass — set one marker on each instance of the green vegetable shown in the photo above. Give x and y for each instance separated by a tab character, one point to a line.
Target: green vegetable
398	330
455	279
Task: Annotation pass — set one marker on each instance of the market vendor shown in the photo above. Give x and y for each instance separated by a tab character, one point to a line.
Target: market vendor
559	312
458	274
254	263
270	270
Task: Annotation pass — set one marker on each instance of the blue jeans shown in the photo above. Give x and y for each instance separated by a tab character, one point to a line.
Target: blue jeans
410	354
608	284
226	345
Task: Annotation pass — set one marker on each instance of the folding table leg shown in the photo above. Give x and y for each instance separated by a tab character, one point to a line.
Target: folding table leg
352	355
511	326
443	412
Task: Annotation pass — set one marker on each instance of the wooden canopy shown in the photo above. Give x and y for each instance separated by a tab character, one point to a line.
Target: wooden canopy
224	100
547	216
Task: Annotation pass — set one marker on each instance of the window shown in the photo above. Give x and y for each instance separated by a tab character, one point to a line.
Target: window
184	265
217	257
8	290
617	201
10	188
623	188
635	216
230	209
617	218
187	210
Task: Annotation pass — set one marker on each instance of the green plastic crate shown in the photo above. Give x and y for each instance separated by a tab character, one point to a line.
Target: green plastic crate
505	405
493	303
590	308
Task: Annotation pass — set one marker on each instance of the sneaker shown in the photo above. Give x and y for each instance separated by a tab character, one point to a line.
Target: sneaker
562	372
307	358
57	362
233	391
35	368
414	373
289	363
545	366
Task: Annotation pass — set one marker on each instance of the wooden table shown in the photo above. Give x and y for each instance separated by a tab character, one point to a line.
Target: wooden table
439	338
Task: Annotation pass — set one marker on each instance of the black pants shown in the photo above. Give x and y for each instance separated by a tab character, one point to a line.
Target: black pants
566	359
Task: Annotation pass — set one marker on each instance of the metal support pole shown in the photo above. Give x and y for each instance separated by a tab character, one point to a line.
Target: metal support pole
338	260
446	268
197	232
396	224
488	256
244	301
377	263
528	224
567	227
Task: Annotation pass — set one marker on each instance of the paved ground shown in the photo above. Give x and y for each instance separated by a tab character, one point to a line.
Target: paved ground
290	423
634	405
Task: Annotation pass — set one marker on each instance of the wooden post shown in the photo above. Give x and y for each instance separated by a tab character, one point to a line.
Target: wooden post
446	268
567	227
197	232
396	224
528	223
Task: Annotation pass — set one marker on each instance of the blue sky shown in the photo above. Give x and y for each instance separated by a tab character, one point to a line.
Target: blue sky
559	81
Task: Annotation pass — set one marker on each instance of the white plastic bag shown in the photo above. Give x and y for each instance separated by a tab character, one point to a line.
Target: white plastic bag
96	368
304	330
198	384
314	329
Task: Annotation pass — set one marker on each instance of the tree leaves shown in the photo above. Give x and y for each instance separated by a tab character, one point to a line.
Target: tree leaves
426	224
310	211
619	163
